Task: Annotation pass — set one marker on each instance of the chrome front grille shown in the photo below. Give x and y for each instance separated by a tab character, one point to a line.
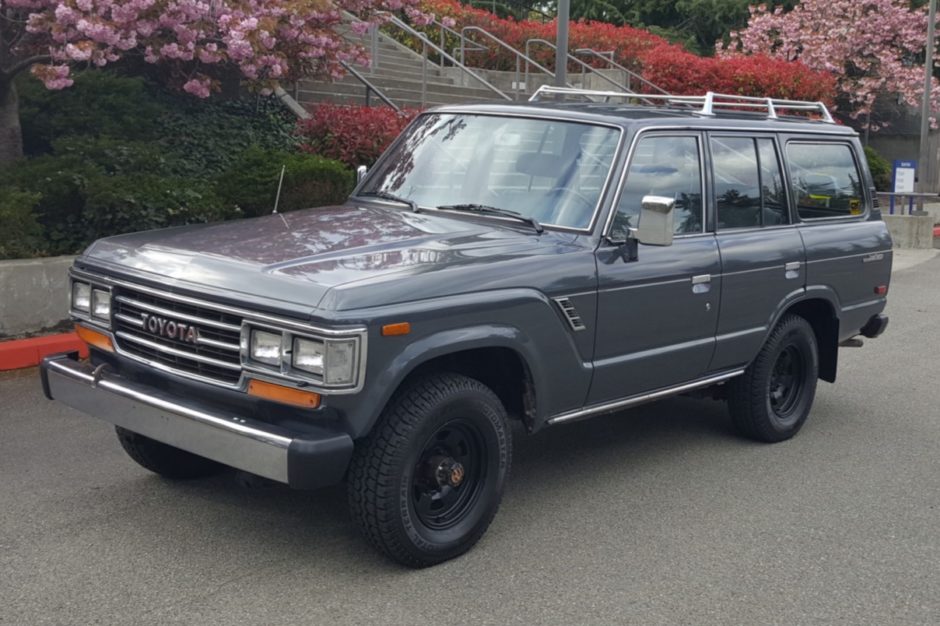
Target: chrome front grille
211	352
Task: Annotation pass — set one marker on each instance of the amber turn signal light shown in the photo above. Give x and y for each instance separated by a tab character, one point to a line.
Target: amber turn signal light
393	330
94	338
285	395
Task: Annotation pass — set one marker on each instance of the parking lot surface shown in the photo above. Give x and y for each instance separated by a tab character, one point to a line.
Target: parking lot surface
656	515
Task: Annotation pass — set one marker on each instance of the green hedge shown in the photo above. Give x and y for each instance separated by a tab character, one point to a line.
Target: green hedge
880	169
21	234
115	154
251	182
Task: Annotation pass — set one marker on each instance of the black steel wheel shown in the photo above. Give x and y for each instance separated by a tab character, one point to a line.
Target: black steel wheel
786	382
427	481
772	399
449	475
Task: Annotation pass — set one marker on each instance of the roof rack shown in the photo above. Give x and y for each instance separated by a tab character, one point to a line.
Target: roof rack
705	105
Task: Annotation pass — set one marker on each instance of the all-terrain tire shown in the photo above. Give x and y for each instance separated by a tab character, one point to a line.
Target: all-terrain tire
772	399
391	480
165	460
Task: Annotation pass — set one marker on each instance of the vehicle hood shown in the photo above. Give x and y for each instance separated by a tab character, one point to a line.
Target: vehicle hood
298	257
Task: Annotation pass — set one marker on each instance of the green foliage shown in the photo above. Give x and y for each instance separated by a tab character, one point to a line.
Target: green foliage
91	189
59	183
193	135
21	235
309	181
210	135
115	154
99	104
880	169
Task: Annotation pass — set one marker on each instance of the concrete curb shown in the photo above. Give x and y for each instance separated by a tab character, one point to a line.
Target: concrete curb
20	353
34	296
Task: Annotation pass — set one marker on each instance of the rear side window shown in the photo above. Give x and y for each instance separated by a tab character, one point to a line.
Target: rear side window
826	180
749	190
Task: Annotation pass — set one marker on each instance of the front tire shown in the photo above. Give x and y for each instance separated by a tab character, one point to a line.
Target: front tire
772	399
427	481
165	460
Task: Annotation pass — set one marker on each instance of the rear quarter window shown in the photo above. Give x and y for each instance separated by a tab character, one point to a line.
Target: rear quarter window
826	180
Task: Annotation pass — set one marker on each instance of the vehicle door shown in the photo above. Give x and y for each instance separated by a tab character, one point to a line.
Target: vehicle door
657	314
762	255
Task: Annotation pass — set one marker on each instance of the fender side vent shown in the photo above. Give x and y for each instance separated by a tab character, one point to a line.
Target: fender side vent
571	313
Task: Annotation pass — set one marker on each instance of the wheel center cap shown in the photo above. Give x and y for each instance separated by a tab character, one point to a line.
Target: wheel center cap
449	472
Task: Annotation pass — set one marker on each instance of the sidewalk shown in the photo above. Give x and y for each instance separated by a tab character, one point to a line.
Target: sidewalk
905	259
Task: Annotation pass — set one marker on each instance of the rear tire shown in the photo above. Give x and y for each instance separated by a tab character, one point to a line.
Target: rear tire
427	481
165	460
772	399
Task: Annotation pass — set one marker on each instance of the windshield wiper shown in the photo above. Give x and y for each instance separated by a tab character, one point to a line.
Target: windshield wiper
387	195
485	209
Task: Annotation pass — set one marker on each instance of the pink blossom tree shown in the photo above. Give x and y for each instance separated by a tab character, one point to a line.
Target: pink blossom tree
198	41
873	47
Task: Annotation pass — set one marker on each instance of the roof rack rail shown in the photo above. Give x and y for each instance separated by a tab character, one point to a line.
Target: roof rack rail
706	105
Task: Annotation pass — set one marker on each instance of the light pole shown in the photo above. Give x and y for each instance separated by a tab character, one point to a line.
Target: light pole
924	159
561	43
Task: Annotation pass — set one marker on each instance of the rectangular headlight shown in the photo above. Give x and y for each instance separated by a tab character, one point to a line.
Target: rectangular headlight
81	297
341	360
265	347
308	355
101	304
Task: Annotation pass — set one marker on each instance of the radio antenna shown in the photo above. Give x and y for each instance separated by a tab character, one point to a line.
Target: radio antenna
280	182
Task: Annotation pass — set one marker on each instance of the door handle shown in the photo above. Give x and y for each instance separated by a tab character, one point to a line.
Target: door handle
792	269
702	283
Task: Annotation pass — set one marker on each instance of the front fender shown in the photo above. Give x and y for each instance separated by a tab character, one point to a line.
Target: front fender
526	323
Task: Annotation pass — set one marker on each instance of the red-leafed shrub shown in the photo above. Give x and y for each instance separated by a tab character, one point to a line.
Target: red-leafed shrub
686	73
355	135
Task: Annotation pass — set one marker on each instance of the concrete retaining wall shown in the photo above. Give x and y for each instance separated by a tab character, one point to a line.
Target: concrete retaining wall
33	294
911	231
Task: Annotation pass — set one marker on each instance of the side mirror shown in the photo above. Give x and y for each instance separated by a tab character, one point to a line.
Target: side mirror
656	222
361	172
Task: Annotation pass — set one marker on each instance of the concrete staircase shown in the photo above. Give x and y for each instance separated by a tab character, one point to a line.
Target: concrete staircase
397	72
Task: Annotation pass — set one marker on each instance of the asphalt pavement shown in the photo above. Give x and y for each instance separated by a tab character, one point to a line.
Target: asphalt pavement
659	515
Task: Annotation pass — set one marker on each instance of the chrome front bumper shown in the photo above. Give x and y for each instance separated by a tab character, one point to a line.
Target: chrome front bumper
307	460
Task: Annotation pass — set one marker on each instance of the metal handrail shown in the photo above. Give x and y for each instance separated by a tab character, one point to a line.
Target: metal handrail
427	43
912	199
463	41
610	61
578	61
369	86
519	55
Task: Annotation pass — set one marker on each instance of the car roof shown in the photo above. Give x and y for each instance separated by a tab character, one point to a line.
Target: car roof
632	116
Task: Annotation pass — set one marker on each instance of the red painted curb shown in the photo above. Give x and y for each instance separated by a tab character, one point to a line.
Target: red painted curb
20	353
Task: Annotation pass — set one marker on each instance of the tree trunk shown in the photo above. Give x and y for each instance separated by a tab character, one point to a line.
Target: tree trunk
11	136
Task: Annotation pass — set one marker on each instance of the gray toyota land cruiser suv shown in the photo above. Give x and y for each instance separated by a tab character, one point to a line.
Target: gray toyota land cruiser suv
542	262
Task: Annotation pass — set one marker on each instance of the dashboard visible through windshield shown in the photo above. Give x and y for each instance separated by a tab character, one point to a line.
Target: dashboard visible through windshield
549	170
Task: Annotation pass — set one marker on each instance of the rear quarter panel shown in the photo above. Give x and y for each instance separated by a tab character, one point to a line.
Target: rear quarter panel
849	259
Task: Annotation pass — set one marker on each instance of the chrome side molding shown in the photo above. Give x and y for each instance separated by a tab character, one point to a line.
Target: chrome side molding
642	398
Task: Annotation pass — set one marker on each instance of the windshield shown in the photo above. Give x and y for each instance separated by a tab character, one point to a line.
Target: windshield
548	170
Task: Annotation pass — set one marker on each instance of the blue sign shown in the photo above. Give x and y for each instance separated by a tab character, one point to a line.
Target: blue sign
903	177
